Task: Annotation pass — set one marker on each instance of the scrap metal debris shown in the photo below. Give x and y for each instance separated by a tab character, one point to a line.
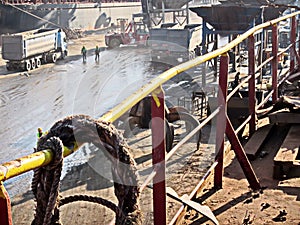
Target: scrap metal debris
281	217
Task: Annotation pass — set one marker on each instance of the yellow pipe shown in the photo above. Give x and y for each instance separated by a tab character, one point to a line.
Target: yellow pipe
21	165
27	163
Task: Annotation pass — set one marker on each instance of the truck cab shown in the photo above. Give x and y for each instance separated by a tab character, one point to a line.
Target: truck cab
61	43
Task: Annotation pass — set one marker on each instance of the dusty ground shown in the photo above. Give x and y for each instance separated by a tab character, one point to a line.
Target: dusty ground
89	41
236	203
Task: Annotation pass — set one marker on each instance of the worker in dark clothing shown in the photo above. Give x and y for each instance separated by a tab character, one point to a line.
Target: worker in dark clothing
97	53
197	51
235	83
83	52
232	57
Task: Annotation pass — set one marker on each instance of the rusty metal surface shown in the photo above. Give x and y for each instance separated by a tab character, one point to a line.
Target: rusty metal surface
251	84
220	132
5	207
228	17
225	18
158	156
244	2
254	2
169	4
271	13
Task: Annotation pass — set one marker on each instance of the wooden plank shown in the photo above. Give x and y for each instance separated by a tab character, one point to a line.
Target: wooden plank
252	147
289	149
284	117
237	108
286	157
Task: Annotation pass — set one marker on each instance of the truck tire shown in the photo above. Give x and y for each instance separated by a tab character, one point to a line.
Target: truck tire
64	54
38	63
54	58
9	67
114	43
131	123
191	123
169	136
44	58
33	64
27	65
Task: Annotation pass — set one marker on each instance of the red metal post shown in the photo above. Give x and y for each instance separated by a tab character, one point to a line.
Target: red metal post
221	119
241	156
251	90
297	25
158	156
274	63
296	53
293	39
5	207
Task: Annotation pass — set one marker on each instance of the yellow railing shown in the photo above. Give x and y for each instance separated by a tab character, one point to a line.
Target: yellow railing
30	162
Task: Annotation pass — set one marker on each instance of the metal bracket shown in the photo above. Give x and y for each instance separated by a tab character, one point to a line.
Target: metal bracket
184	199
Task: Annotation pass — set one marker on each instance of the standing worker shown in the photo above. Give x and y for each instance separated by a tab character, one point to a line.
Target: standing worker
235	83
97	53
197	50
40	132
83	52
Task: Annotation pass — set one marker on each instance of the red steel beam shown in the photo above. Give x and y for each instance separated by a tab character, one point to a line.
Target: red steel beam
297	24
251	90
293	39
241	156
5	207
274	62
158	157
296	53
221	118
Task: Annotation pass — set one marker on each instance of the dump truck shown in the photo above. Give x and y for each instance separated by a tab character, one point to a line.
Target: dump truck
30	49
170	46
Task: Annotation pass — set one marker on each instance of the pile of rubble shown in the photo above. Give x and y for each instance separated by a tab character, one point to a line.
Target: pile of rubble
73	33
